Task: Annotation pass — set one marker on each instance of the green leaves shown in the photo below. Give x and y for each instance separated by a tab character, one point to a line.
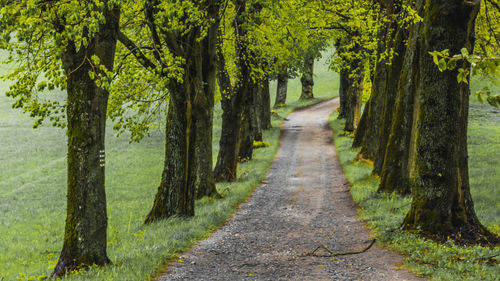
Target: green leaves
445	63
485	65
37	34
442	65
486	95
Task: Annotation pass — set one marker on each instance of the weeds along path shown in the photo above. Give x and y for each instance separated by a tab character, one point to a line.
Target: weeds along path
295	222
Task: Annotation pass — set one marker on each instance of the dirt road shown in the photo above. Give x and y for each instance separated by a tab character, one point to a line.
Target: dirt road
304	203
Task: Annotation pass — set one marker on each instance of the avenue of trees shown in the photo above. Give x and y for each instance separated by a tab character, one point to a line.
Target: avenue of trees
133	61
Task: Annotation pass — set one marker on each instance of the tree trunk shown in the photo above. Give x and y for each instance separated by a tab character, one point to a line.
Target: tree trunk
203	109
389	96
344	86
394	173
353	103
366	135
227	159
307	78
264	111
281	89
232	102
174	197
258	110
442	205
86	220
247	129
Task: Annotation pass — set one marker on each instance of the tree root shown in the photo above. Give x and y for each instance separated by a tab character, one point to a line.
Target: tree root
333	254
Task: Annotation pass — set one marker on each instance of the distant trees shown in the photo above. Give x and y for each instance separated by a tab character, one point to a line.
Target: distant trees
266	39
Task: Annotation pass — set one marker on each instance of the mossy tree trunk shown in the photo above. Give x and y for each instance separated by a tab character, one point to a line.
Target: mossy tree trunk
353	101
394	176
227	159
248	123
366	135
389	95
442	205
344	86
187	169
282	88
203	109
86	220
232	100
260	108
307	79
265	105
174	195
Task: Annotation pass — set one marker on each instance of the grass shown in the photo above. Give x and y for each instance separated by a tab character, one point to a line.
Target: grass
33	195
384	213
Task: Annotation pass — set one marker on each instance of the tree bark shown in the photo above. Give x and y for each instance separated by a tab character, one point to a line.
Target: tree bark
442	205
232	101
282	88
307	78
389	96
344	86
86	220
203	109
227	159
264	111
367	133
259	109
353	103
394	176
247	129
174	197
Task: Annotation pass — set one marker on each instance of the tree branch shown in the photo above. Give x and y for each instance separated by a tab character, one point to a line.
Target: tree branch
130	45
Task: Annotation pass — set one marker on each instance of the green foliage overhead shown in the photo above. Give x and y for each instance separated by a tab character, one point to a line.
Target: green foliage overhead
37	34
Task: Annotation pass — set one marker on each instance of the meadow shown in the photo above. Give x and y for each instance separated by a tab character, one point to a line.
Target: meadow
33	193
385	212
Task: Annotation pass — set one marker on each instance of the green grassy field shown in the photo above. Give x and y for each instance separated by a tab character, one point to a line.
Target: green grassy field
33	194
385	213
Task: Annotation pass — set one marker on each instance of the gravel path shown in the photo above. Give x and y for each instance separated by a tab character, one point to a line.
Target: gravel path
304	203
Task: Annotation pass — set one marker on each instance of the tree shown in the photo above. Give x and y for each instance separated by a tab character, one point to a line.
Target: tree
389	94
394	174
343	87
233	102
356	25
282	88
189	119
442	205
367	134
75	52
307	78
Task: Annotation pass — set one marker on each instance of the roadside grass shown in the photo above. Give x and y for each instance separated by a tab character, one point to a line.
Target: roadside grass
385	212
33	195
